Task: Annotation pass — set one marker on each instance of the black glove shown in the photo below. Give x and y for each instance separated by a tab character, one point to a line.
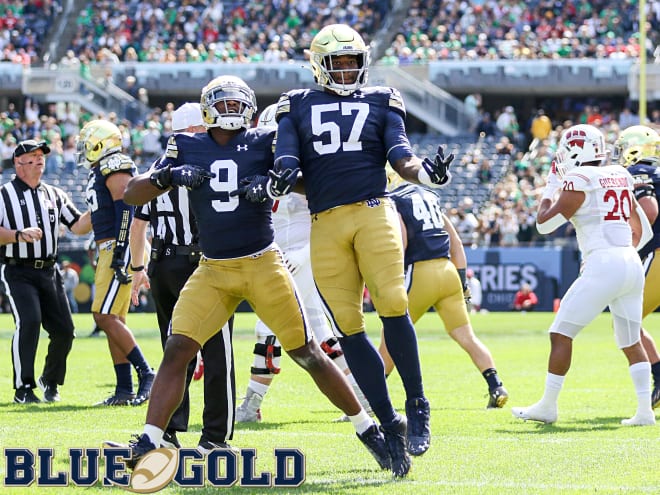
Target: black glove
467	294
117	264
281	181
190	176
253	188
438	169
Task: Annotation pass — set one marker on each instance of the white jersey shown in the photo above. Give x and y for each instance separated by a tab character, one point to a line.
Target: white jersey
602	220
291	222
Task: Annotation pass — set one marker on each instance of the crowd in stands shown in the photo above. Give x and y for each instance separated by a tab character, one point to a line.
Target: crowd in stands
505	216
280	30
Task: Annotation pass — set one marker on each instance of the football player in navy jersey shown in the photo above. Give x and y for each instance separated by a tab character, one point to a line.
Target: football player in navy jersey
224	170
340	137
435	265
637	149
100	150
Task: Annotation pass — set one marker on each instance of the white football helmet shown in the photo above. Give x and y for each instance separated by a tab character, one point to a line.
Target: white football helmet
267	117
332	41
578	145
216	111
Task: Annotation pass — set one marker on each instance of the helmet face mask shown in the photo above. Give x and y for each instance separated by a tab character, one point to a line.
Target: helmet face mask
334	41
218	112
97	139
578	145
636	143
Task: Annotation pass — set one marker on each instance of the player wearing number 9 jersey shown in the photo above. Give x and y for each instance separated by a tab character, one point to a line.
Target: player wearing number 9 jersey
600	202
223	170
341	137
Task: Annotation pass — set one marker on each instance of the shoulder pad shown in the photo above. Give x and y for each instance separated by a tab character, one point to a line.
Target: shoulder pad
283	107
396	102
116	163
172	149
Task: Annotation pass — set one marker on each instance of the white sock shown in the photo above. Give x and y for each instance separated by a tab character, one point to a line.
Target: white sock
361	421
641	377
259	388
154	433
553	384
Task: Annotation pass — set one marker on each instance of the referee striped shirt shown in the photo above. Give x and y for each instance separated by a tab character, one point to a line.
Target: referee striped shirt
47	207
171	218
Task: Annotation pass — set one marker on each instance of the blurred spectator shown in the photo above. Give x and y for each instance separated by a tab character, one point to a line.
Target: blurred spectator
70	278
525	299
627	118
485	126
474	284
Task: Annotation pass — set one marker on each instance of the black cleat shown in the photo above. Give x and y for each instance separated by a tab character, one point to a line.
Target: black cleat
655	397
170	441
118	399
50	390
497	398
374	441
145	381
205	447
26	396
418	412
395	440
139	446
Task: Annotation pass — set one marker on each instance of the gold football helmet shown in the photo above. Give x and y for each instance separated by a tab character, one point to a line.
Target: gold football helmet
97	139
332	41
636	143
222	90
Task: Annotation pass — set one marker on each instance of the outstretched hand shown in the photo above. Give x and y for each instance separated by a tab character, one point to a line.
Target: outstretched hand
190	176
253	188
281	181
437	171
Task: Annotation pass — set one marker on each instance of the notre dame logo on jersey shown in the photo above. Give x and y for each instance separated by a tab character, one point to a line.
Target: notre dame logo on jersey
115	163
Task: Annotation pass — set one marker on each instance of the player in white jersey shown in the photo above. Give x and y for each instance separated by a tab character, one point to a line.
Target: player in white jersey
292	224
600	203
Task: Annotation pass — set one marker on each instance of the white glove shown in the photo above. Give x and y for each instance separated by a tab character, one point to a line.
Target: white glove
295	258
552	185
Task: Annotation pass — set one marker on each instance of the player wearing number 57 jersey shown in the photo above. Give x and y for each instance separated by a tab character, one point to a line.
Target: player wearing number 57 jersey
223	169
341	138
600	203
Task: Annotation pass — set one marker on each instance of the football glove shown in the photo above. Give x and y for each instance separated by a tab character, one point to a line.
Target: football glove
253	188
190	176
295	258
436	173
552	184
117	264
280	182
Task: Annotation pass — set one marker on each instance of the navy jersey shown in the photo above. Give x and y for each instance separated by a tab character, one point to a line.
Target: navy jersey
98	197
342	142
421	211
647	183
233	226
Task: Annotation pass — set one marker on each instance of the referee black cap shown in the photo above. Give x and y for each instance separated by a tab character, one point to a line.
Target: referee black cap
29	146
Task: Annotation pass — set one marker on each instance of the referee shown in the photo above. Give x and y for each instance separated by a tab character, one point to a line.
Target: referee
174	256
31	213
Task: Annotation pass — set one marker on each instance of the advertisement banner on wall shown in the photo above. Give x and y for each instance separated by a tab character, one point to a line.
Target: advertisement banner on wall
548	270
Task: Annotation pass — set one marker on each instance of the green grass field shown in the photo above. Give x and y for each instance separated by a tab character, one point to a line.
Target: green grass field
473	450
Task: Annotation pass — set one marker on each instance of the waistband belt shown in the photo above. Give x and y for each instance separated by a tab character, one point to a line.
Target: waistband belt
32	263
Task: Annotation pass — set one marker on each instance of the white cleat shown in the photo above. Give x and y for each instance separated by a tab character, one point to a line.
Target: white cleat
643	419
535	413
